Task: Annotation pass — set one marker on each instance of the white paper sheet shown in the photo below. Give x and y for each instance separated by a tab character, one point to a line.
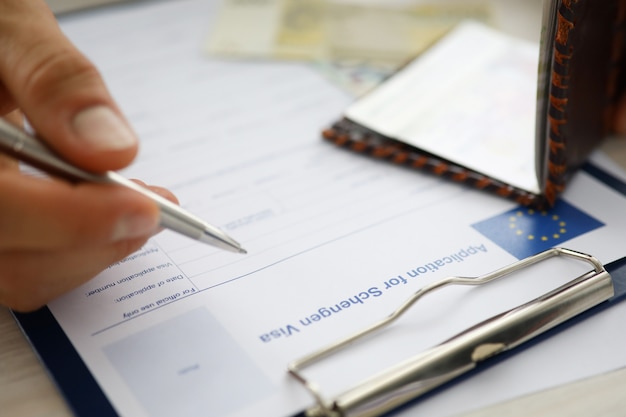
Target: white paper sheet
335	241
469	99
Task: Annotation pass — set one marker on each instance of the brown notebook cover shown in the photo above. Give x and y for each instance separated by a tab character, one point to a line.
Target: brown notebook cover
580	80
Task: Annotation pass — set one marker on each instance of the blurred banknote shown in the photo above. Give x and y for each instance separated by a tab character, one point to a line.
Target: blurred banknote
326	30
355	76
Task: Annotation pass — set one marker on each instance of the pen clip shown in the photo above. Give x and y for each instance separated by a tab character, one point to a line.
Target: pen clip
464	351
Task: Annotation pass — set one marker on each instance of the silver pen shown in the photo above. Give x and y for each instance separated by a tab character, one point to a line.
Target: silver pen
27	148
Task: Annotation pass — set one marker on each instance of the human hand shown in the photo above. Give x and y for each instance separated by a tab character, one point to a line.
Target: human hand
54	235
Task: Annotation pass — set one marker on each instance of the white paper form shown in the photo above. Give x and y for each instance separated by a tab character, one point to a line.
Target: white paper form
470	99
335	241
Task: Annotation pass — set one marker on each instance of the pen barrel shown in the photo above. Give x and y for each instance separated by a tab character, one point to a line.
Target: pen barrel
29	149
463	352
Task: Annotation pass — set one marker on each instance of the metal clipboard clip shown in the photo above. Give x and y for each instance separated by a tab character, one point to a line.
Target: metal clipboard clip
463	352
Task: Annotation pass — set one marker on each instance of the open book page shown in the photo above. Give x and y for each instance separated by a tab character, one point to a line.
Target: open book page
335	241
470	99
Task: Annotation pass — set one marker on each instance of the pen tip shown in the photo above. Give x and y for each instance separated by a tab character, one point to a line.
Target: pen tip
243	251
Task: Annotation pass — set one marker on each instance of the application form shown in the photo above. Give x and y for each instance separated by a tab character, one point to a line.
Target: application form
335	241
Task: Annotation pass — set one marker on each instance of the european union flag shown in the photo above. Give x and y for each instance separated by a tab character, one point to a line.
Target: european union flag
523	231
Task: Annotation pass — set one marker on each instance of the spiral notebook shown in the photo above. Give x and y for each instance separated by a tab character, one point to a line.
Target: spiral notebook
531	139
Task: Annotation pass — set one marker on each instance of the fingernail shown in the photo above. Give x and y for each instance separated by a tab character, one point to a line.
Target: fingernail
134	226
101	128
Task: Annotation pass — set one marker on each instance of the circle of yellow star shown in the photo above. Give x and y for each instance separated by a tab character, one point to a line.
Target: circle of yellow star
560	226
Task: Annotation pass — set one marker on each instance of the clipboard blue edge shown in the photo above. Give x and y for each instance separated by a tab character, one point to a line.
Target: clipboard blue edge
85	397
64	365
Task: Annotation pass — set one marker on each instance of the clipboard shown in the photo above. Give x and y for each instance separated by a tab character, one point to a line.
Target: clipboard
579	82
575	301
86	398
464	352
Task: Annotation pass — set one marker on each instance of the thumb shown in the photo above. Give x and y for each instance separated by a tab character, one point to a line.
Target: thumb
59	90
